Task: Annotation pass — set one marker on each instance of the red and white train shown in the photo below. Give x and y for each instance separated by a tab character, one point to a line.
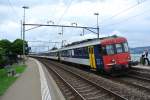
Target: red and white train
108	54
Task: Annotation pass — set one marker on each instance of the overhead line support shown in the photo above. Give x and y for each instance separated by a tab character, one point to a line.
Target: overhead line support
83	27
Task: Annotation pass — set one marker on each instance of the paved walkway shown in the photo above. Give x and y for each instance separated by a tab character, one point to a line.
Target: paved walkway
142	67
27	86
34	84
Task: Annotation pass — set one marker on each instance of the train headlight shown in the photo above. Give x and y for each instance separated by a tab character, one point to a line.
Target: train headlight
129	58
113	61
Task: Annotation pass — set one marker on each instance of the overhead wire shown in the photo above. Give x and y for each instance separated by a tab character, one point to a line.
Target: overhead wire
125	10
65	11
13	10
129	18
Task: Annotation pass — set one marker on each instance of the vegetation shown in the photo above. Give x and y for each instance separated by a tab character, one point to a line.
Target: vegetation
17	47
9	51
54	48
6	81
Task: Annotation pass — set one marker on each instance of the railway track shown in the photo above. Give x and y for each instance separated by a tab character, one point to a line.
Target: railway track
142	73
136	79
68	91
132	83
138	84
79	87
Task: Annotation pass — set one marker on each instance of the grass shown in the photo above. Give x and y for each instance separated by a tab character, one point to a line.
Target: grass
6	81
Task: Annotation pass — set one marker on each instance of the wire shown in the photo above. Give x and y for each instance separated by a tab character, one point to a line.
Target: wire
10	4
125	10
65	11
127	18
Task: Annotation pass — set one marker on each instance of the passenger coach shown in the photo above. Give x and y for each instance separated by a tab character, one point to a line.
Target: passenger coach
107	54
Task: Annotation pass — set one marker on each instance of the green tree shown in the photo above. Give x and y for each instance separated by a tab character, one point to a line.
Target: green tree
5	51
17	47
6	45
3	59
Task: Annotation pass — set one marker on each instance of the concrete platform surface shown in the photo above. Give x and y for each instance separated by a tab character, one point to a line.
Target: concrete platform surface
142	67
55	92
35	83
27	86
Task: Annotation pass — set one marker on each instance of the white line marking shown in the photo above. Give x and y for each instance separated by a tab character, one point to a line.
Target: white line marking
44	86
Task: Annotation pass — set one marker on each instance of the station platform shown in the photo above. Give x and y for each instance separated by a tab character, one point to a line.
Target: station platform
34	84
141	67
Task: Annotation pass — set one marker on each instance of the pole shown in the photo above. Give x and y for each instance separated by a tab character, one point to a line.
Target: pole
21	28
23	36
97	24
62	31
24	7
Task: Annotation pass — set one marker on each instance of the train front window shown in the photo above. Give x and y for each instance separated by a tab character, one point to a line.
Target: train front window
126	48
110	49
119	48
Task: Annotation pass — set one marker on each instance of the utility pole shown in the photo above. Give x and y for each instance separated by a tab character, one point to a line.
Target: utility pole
21	29
97	24
24	7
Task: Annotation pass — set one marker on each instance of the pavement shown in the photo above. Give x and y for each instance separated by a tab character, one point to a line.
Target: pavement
142	67
27	86
33	84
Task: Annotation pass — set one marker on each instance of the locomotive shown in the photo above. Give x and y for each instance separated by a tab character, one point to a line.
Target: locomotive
108	54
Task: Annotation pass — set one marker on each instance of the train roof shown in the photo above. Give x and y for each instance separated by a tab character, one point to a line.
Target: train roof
87	42
84	43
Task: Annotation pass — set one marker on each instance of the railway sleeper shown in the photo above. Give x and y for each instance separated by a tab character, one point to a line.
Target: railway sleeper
84	88
89	94
98	97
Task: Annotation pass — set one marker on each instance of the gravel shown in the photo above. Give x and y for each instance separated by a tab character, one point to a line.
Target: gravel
121	89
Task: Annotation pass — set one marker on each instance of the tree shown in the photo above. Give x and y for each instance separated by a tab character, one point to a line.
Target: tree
3	59
6	45
17	47
5	51
54	48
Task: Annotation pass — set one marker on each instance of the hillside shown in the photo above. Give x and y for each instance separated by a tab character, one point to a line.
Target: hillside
139	50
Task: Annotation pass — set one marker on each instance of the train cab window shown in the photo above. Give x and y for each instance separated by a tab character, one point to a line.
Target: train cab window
125	46
110	49
119	48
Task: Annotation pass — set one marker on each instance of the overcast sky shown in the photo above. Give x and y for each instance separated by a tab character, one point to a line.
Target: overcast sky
128	18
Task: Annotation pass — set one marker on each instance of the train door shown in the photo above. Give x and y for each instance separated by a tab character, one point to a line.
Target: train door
98	57
92	57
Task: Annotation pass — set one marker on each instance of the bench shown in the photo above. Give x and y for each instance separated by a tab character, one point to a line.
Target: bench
10	70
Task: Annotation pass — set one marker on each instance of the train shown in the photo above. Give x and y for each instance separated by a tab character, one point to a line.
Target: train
108	54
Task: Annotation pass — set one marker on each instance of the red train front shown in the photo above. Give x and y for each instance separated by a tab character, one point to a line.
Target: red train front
116	56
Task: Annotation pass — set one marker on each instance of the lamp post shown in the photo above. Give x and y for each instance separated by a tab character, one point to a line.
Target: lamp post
24	8
97	24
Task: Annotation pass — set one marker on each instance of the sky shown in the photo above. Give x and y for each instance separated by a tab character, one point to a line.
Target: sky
127	18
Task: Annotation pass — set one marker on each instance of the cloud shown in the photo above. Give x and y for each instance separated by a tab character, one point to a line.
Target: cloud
81	12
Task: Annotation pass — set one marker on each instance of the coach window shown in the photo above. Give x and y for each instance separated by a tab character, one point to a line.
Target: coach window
76	52
110	49
72	52
80	51
126	48
85	51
